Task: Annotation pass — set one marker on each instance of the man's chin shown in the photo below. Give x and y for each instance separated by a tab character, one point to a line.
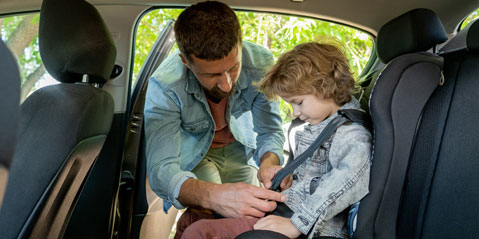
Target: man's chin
218	95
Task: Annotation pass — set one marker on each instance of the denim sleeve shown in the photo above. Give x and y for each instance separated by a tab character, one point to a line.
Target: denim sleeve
267	123
162	133
345	184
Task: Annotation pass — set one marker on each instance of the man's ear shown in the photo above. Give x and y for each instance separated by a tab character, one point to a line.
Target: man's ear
185	62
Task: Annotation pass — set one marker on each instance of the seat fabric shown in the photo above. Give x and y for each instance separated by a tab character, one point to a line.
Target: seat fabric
10	92
442	186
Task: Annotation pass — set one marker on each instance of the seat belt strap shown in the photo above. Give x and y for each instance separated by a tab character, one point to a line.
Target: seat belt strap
295	122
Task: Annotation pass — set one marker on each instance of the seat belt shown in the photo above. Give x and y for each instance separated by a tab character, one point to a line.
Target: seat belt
345	115
294	123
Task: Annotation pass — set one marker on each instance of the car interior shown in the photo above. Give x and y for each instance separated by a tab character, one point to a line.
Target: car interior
72	154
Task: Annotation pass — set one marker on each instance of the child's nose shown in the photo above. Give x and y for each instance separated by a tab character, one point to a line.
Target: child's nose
295	112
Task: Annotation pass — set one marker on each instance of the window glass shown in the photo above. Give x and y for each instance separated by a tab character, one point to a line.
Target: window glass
474	15
20	33
150	27
278	33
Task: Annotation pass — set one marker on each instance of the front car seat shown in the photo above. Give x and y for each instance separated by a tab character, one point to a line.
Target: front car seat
10	92
62	127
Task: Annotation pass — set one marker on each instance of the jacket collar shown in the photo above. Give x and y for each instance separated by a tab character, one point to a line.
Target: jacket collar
192	84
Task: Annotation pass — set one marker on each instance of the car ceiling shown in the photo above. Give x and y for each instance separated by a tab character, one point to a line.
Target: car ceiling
369	15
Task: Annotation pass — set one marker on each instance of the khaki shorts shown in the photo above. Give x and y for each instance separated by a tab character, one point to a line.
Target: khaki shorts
226	165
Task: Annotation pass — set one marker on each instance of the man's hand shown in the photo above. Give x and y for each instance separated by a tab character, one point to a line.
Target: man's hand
268	169
241	199
278	224
230	199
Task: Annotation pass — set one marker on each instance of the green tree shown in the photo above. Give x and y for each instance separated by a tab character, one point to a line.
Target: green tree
278	33
149	29
474	15
20	33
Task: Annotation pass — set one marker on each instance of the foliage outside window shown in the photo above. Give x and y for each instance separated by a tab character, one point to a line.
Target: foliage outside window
474	15
278	33
20	33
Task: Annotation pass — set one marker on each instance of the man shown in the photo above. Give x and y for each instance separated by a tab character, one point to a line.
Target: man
204	119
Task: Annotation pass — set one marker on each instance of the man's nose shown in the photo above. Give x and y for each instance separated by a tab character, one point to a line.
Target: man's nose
225	83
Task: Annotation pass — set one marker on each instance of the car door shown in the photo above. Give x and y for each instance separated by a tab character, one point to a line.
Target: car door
132	197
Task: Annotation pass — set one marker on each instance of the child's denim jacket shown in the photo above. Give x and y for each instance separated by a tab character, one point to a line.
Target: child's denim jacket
336	176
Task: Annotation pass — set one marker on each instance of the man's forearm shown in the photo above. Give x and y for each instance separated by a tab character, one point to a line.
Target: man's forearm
195	192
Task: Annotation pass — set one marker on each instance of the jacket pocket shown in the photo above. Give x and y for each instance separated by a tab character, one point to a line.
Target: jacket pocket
196	127
313	185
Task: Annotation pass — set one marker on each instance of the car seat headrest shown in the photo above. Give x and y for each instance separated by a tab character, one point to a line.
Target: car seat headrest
466	38
417	30
75	41
472	39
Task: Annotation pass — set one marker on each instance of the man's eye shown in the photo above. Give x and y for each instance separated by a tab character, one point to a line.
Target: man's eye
234	68
210	77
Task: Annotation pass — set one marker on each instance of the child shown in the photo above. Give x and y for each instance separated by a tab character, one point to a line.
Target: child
316	80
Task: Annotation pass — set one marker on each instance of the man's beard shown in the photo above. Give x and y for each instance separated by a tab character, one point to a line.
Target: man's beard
216	94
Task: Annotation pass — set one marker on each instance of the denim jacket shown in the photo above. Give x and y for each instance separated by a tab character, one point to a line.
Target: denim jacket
179	127
335	177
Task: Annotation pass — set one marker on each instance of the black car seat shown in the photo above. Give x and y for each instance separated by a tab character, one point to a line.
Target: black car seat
10	92
396	105
62	127
441	188
425	185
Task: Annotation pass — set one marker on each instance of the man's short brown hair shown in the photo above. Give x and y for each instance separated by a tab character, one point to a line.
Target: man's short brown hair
310	68
208	30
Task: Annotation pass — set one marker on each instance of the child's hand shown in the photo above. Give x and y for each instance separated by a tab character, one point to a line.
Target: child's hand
286	183
278	224
266	173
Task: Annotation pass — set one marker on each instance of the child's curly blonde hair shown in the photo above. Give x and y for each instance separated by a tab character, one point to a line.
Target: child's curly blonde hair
310	68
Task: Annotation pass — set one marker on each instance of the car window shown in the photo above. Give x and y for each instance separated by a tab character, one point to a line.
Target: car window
276	32
474	15
20	33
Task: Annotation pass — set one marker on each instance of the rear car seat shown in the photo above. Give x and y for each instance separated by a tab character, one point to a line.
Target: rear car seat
397	101
441	187
425	185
